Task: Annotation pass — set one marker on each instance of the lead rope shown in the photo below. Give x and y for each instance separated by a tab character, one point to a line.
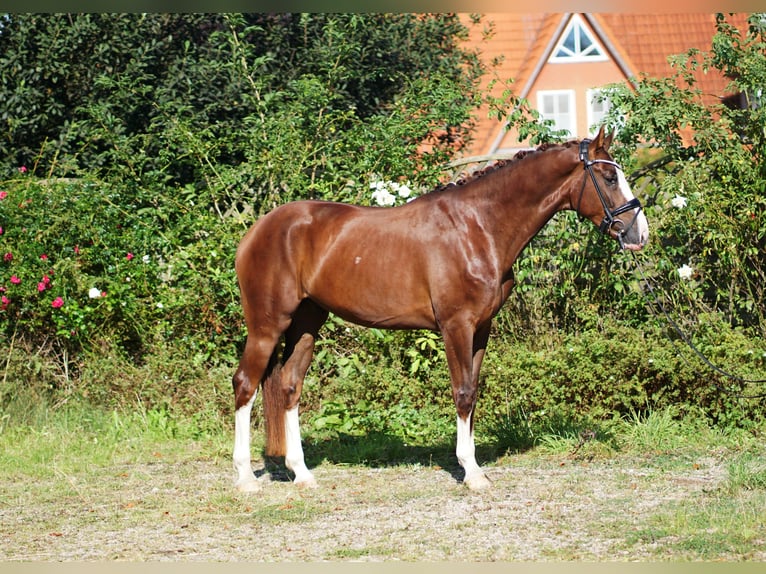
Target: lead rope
688	341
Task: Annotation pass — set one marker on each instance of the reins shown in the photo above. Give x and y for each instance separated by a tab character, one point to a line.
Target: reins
686	339
607	223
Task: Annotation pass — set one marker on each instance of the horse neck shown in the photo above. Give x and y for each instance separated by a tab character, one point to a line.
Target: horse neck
518	200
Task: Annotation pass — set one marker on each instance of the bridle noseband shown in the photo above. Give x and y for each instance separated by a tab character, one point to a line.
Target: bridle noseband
610	215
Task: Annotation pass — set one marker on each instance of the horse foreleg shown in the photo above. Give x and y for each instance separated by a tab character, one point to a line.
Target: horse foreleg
465	450
464	348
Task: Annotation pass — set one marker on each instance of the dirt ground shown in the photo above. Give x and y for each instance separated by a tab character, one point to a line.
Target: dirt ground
553	509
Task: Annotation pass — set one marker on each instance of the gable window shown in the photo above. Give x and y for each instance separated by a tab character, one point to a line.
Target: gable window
559	106
577	44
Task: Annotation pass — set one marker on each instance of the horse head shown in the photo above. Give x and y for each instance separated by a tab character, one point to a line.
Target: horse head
605	197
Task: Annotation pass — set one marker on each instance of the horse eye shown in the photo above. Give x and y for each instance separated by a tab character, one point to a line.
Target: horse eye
611	178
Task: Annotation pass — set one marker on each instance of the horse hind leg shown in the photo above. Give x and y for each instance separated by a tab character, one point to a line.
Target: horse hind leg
258	360
299	349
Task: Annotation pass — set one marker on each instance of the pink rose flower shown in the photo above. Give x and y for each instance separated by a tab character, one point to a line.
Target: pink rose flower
15	280
57	302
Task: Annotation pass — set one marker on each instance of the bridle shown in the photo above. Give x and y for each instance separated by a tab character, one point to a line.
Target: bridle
610	215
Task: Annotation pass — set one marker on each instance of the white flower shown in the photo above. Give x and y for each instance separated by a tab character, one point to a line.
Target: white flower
383	197
145	258
385	192
679	202
402	189
685	272
94	293
160	306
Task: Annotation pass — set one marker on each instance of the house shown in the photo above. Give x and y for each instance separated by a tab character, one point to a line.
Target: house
558	62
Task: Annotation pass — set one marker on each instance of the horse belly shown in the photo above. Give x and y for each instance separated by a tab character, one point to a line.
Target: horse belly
379	286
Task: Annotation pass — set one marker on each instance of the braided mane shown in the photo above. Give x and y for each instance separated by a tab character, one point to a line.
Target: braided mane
520	155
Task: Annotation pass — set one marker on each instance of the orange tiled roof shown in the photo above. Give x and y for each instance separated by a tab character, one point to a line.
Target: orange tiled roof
514	43
642	42
648	40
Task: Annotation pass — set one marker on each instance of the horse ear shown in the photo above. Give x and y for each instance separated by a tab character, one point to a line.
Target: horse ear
608	140
599	141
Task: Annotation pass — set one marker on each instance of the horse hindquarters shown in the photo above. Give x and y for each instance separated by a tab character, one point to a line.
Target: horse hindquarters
267	307
272	310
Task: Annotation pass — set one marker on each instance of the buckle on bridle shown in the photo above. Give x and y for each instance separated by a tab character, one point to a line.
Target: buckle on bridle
584	151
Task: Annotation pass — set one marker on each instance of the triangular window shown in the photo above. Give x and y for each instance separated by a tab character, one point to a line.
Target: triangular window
577	44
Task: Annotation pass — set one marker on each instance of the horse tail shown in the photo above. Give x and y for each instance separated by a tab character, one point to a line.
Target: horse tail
274	409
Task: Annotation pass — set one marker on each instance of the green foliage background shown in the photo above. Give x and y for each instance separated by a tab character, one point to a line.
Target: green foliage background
137	149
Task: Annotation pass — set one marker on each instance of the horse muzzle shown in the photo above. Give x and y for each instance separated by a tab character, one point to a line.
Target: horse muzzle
633	235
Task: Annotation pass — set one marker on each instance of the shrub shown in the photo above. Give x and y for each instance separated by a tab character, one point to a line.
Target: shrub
618	370
85	263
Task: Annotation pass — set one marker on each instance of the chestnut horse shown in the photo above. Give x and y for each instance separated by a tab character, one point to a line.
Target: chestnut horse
442	262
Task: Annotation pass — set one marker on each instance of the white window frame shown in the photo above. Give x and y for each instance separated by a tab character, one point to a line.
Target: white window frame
556	117
577	56
595	118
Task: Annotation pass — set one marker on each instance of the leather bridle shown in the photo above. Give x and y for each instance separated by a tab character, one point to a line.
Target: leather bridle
610	215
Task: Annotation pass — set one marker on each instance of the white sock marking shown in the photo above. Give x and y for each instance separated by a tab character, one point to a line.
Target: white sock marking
241	455
294	455
466	450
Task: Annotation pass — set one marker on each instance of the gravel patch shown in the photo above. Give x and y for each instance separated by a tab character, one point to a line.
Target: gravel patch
169	511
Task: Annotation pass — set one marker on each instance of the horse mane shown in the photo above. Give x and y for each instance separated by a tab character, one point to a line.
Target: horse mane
518	157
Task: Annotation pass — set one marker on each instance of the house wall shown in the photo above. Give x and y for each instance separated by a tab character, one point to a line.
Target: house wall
578	76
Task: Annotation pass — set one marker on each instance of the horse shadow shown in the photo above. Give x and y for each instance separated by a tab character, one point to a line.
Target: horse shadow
379	450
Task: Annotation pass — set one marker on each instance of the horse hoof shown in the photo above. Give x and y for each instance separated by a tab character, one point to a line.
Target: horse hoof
477	482
307	482
248	486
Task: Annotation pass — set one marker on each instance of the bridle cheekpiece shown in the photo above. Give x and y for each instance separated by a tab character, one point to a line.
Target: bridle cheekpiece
610	215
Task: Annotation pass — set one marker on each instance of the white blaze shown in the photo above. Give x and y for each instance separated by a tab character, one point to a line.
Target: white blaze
642	225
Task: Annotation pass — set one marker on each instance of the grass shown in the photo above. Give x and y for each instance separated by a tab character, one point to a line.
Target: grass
714	526
67	439
77	483
747	472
